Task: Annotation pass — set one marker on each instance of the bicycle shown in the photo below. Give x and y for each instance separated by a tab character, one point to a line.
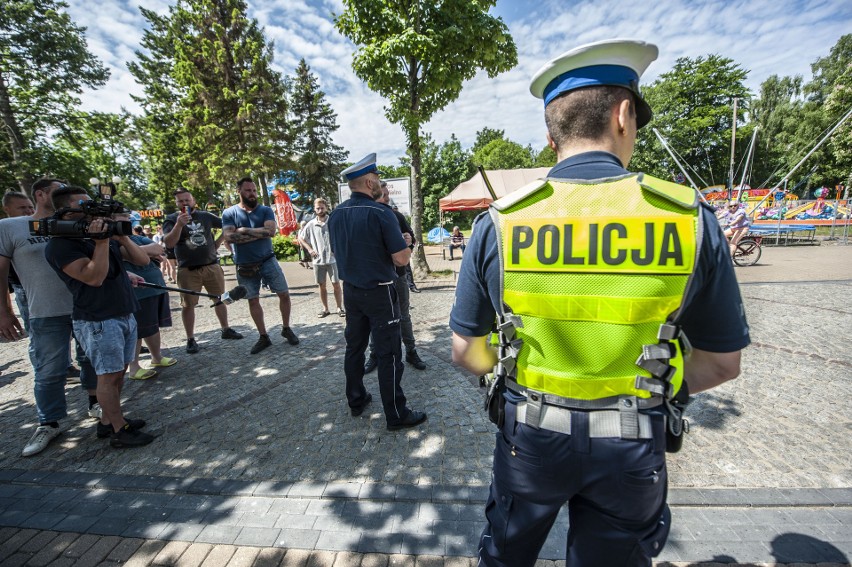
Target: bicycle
748	251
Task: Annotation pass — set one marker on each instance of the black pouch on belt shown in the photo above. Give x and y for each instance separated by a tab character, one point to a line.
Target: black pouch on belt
495	402
249	270
676	425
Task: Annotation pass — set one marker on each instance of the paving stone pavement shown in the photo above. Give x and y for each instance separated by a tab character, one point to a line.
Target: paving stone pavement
258	461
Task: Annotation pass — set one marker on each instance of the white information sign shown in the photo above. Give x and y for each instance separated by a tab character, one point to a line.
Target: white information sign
399	189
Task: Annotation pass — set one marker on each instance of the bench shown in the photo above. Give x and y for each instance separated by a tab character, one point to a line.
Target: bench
445	247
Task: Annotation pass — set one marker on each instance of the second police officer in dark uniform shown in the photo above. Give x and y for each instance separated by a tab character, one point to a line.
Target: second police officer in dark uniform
367	242
592	276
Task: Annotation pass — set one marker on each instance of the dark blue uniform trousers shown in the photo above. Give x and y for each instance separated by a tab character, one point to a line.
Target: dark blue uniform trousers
374	311
615	490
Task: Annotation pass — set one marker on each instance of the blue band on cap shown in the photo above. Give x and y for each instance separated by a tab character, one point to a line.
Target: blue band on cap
363	171
595	75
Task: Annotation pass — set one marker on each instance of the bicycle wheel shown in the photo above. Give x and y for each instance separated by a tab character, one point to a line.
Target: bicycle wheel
747	253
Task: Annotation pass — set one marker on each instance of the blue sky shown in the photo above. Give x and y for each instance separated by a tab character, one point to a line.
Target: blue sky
764	36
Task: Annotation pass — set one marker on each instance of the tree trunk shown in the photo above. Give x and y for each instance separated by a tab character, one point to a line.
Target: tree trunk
17	143
418	259
263	191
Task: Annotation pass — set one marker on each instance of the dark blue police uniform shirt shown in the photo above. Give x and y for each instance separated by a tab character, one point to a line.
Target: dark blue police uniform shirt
713	317
363	236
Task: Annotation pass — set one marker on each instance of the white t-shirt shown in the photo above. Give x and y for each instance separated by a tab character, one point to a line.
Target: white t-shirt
47	295
316	234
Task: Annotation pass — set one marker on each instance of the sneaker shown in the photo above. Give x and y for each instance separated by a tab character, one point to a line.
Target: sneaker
230	334
42	437
95	411
341	312
191	346
291	337
414	360
413	419
371	365
127	437
105	431
262	343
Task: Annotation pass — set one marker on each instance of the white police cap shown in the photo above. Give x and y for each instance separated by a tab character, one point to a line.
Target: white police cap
363	167
614	62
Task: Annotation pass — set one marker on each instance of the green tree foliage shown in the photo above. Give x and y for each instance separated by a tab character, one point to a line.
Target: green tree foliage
777	113
829	99
214	99
160	127
444	167
693	110
486	135
319	160
44	65
107	145
502	154
417	55
545	158
234	102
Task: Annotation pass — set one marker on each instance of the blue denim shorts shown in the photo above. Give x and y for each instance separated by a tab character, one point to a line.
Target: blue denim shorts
110	345
270	274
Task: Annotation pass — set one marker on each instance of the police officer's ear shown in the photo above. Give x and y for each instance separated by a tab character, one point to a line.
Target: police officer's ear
551	143
626	116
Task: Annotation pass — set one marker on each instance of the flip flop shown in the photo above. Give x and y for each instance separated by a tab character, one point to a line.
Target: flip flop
164	362
143	374
323	314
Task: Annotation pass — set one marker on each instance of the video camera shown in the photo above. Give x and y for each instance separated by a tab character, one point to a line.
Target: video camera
103	207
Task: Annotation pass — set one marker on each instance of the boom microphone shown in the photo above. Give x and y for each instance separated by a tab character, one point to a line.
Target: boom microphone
229	297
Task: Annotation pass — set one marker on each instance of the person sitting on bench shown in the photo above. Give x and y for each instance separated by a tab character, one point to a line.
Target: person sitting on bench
456	241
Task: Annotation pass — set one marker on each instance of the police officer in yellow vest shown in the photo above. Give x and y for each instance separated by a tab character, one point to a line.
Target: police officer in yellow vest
595	283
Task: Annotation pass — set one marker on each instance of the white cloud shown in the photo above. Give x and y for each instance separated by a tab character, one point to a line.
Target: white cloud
764	36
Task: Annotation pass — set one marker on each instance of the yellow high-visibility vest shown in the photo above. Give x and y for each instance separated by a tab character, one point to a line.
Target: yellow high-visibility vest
593	269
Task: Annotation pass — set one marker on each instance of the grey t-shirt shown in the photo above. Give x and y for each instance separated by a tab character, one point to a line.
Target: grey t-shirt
47	295
196	246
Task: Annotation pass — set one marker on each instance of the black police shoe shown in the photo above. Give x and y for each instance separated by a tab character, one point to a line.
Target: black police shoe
414	360
360	409
413	419
371	365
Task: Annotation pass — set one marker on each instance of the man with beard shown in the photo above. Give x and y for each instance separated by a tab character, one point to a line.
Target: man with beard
190	233
367	243
249	227
316	241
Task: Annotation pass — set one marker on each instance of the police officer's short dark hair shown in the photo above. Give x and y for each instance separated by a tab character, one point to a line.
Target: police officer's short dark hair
62	197
244	180
583	114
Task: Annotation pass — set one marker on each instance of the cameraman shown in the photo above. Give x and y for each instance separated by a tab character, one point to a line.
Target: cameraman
104	303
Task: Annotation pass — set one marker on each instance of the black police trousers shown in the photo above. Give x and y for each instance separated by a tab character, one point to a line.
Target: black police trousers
615	490
374	311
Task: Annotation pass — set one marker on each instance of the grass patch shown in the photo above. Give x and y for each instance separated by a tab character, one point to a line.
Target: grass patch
439	273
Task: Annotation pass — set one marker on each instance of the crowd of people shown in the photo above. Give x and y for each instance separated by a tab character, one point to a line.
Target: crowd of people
107	293
563	284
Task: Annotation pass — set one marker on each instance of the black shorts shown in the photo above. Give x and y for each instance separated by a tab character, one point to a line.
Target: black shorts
153	314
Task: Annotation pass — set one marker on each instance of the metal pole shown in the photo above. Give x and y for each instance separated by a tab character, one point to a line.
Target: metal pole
682	170
781	211
826	137
733	147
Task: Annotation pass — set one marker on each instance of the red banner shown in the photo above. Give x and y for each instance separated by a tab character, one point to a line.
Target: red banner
285	216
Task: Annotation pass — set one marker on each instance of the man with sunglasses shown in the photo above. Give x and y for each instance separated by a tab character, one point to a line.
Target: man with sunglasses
367	242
